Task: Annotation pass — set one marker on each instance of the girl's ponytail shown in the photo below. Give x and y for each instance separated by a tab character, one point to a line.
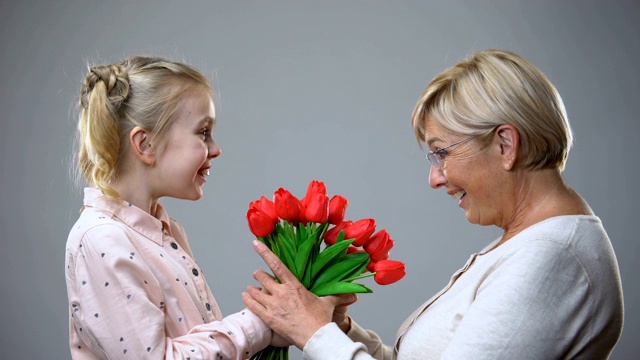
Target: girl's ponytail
104	91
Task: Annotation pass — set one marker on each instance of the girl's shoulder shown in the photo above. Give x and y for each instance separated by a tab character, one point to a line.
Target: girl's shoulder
93	226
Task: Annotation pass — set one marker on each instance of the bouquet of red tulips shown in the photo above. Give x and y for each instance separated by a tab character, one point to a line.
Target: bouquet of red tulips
322	249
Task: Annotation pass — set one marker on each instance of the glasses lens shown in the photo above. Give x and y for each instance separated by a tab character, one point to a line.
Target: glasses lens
433	158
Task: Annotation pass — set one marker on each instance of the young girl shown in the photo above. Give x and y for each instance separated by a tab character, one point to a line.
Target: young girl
135	290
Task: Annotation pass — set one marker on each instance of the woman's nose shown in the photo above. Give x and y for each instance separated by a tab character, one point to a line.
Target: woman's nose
436	177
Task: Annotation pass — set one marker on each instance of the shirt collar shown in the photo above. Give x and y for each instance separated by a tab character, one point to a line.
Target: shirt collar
149	226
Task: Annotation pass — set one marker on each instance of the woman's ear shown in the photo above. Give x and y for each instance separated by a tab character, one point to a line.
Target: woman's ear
509	140
140	142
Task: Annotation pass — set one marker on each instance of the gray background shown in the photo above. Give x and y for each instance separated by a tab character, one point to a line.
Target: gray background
305	90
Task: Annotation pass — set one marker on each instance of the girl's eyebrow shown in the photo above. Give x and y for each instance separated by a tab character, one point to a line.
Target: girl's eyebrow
207	120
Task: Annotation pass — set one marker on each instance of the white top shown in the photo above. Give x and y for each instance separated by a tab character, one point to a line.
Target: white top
551	292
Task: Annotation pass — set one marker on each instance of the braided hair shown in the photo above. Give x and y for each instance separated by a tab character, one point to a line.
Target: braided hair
137	91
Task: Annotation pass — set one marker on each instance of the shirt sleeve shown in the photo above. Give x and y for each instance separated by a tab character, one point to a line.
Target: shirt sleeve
237	336
118	309
533	305
329	342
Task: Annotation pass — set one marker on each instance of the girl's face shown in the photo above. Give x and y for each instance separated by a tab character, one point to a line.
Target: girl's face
468	174
184	159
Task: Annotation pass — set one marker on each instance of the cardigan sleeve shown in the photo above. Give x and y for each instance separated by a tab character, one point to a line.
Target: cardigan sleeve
329	342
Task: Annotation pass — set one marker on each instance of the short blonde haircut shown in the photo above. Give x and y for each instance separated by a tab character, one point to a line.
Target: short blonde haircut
495	87
137	91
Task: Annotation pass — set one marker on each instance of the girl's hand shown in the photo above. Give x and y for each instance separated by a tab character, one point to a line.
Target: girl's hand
287	307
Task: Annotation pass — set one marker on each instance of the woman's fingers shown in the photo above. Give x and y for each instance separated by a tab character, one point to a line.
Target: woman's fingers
287	307
267	281
345	299
252	303
272	261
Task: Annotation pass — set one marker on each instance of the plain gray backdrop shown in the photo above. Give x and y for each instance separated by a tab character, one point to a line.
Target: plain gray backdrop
304	90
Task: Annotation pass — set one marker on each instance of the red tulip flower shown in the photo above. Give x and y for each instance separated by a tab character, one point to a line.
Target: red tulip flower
331	235
315	187
388	271
360	230
301	219
353	249
260	223
317	208
266	206
379	245
337	209
286	204
371	266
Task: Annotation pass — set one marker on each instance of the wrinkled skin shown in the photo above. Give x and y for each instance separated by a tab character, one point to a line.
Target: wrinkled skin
293	312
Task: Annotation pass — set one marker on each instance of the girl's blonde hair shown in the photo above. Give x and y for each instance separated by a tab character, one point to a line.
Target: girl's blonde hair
137	91
495	87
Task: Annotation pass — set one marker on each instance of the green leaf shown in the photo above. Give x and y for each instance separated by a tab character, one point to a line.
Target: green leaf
329	253
357	271
272	353
287	252
340	270
335	288
302	259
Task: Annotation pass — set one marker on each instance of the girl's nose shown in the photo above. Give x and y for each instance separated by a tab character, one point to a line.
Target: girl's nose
214	150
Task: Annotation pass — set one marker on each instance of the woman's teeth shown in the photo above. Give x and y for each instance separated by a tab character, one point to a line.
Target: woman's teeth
458	195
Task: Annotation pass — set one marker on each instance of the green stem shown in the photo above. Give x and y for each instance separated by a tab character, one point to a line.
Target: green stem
361	276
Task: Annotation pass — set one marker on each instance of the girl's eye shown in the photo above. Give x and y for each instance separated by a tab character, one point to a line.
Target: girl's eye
204	132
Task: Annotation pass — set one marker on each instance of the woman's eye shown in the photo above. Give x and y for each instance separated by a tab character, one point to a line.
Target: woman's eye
441	154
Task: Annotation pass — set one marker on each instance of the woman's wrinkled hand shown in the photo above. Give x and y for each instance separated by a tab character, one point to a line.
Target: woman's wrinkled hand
287	307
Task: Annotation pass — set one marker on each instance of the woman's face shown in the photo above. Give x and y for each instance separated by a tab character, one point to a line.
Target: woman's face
470	174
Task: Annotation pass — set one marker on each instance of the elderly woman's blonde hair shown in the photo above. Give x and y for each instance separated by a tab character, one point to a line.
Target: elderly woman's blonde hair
495	87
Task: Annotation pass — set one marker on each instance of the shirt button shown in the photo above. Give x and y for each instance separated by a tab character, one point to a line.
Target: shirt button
195	272
174	245
208	306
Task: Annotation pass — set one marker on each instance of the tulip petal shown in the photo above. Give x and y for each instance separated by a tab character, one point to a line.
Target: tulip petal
388	271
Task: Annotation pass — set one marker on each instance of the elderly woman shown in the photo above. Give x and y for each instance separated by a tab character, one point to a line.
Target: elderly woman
548	288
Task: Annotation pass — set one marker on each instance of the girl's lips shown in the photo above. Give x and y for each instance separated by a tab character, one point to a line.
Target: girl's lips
203	173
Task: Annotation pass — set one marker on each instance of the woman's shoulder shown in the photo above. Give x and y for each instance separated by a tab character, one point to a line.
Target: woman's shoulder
578	241
565	230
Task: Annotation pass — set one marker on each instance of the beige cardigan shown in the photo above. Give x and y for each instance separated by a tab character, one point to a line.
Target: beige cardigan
551	292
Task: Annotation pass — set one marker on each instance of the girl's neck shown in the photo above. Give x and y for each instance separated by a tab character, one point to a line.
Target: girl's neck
136	192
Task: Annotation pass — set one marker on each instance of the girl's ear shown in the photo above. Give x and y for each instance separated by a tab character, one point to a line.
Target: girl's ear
509	140
140	141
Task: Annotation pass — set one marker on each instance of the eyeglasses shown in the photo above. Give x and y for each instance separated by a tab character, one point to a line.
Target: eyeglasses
436	157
